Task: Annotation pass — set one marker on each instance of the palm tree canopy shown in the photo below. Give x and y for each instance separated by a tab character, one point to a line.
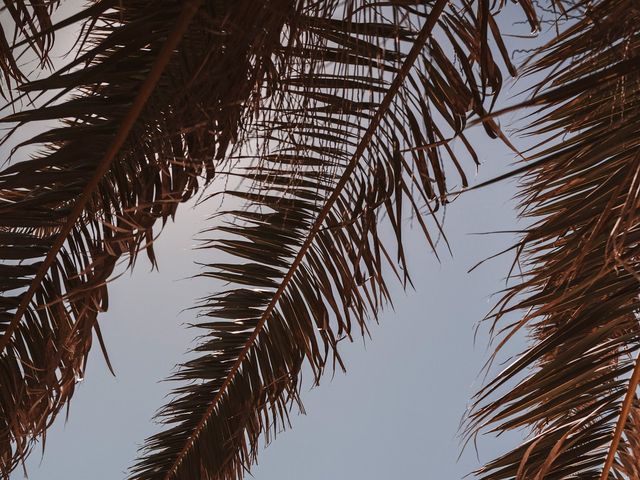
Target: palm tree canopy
337	118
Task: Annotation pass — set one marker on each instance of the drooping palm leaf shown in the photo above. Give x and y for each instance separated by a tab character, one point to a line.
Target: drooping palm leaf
349	136
91	193
576	383
55	207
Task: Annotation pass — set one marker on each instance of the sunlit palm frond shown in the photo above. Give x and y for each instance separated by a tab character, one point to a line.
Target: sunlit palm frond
575	385
358	129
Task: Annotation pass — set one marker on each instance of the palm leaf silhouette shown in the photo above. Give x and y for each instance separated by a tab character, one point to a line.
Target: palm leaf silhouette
576	383
346	139
29	27
159	93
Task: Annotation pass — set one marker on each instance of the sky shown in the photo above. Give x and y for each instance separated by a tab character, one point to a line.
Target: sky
394	414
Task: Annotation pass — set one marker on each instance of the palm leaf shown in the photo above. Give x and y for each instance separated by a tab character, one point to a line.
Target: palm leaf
347	138
575	385
55	207
31	28
160	103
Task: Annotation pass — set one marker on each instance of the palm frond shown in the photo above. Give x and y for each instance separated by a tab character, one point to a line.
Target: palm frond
53	215
575	385
98	182
27	27
628	455
349	136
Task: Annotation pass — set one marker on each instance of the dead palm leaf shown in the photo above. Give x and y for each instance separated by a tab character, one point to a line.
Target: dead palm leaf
150	104
358	128
575	385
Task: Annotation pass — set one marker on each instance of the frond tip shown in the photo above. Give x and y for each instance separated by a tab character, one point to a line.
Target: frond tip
27	26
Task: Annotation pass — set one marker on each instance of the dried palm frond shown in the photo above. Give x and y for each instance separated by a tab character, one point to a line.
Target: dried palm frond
576	383
27	25
148	107
628	459
358	129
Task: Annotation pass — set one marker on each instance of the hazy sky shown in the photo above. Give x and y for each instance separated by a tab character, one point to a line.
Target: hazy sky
396	412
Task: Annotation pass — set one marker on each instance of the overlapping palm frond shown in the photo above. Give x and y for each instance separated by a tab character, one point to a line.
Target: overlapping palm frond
359	128
27	25
576	384
149	105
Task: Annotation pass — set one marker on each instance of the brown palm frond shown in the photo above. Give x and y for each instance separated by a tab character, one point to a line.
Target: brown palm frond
93	190
576	383
348	138
628	458
27	35
26	27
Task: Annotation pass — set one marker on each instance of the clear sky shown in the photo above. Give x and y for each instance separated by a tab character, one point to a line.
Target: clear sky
396	412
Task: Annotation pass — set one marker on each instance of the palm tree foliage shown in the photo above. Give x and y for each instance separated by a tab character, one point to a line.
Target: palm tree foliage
337	119
577	381
31	23
85	204
330	163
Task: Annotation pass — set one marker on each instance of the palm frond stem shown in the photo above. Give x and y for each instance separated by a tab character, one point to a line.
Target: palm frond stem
622	419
